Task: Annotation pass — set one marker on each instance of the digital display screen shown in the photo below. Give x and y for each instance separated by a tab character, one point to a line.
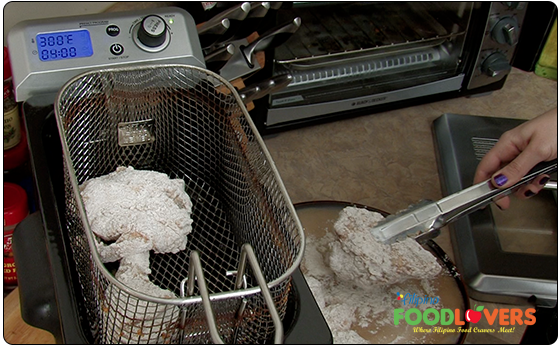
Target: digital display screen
64	45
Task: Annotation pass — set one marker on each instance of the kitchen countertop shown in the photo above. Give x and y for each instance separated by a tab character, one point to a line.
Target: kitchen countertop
385	160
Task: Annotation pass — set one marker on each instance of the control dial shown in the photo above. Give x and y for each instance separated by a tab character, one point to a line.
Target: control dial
151	34
496	65
506	31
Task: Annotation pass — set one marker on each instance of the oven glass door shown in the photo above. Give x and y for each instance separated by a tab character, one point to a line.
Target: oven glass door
528	227
351	49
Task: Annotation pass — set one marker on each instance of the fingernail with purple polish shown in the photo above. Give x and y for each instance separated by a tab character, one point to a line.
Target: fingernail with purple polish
500	180
529	193
544	181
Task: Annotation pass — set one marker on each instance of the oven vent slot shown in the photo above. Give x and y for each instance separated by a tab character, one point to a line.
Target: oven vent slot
481	146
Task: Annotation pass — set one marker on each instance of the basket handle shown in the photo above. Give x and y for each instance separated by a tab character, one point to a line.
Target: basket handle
195	271
248	253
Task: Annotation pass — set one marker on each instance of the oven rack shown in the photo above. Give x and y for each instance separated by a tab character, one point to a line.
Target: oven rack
342	31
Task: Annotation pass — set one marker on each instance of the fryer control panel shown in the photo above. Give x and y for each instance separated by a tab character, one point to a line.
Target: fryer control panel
46	53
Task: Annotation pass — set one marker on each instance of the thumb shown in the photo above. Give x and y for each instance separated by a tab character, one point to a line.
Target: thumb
515	170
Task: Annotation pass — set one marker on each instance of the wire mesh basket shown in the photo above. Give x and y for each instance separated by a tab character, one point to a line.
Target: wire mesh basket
188	123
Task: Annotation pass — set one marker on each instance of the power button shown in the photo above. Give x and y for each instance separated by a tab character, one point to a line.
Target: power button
117	49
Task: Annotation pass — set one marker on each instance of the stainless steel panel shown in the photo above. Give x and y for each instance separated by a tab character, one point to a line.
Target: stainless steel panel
288	114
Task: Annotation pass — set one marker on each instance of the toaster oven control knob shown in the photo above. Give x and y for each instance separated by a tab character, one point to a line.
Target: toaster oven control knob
151	34
506	31
496	65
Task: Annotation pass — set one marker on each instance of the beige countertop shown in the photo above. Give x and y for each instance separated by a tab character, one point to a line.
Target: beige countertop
388	161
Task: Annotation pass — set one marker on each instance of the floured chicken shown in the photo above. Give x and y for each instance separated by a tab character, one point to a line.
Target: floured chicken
359	259
134	212
140	210
131	320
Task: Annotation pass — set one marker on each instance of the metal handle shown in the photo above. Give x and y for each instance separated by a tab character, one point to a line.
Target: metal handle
247	253
482	194
210	32
195	272
269	86
218	58
426	219
552	185
273	38
217	27
249	94
236	15
253	21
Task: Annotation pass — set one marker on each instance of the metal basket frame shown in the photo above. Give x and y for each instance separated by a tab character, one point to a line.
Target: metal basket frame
271	204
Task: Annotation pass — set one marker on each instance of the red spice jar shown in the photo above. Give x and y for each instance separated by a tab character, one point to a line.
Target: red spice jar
15	210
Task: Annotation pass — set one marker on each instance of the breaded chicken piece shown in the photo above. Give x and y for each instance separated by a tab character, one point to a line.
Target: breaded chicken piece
359	259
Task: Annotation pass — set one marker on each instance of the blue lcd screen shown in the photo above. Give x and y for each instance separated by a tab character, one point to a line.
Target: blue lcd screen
64	45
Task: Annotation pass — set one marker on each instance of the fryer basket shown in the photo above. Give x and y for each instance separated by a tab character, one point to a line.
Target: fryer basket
191	124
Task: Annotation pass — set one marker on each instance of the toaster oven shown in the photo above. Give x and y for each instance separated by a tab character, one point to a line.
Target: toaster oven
352	58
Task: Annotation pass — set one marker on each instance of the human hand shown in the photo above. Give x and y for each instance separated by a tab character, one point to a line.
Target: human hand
517	152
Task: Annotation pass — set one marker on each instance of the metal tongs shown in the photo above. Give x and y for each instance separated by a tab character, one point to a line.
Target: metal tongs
424	221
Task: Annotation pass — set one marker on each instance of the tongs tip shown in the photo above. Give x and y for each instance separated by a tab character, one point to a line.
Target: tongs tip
415	221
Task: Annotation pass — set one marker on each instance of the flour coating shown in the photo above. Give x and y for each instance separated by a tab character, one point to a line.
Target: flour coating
133	212
359	259
354	279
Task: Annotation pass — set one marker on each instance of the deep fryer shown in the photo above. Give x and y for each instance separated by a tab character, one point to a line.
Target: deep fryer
52	296
57	303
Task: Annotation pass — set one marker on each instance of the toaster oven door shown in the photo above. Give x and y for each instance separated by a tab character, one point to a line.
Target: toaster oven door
359	54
